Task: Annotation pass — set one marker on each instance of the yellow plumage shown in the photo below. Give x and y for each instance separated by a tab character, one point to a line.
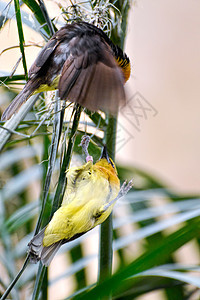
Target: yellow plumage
90	189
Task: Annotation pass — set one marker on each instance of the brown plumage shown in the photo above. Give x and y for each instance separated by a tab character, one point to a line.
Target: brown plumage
86	67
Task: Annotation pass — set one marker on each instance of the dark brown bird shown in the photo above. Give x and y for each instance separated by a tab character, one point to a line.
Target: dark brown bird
84	65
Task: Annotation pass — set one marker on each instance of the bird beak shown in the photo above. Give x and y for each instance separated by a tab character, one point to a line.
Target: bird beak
104	154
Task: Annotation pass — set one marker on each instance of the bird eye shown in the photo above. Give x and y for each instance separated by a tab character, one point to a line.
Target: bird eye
89	173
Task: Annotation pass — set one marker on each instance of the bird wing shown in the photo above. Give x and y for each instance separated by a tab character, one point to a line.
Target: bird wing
43	57
91	76
48	49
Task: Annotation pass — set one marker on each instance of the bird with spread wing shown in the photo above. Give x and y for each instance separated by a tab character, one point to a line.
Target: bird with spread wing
84	65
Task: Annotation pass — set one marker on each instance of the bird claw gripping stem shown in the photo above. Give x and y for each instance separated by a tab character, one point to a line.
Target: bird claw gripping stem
85	140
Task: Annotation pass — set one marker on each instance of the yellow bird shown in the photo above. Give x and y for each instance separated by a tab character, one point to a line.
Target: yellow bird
91	192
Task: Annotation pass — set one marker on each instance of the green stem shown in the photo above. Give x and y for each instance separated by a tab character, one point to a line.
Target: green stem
44	287
106	233
59	192
21	35
52	159
46	16
12	284
35	8
39	281
66	161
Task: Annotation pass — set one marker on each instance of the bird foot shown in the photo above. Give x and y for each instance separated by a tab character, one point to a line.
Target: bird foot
123	191
125	188
85	140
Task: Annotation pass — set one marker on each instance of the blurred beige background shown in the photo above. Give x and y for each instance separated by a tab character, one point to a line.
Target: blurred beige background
163	43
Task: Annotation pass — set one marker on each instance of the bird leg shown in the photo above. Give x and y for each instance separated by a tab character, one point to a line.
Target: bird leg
85	140
123	191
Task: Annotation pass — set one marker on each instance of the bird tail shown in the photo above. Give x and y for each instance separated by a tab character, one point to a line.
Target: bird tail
26	92
38	252
49	252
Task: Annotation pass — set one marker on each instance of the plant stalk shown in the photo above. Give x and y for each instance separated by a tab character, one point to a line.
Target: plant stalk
106	231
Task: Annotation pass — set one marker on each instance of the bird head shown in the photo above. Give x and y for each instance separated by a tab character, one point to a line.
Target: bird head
105	161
